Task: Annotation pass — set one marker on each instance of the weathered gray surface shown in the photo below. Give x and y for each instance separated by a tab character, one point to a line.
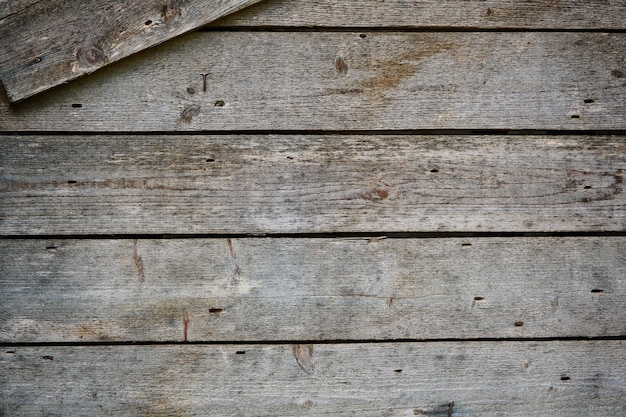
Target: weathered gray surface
46	43
482	379
303	184
339	81
477	14
311	289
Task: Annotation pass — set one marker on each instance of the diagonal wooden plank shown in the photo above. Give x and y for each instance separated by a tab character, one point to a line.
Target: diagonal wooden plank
46	43
483	379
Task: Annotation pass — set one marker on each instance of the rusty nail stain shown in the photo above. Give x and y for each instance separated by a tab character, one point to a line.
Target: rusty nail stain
231	249
341	65
450	408
383	194
204	75
185	325
138	260
304	357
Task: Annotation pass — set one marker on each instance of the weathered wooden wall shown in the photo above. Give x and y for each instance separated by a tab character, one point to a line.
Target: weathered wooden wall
368	208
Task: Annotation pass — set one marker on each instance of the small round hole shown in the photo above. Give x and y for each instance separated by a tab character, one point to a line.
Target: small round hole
518	323
565	378
363	36
210	160
589	100
587	187
71	182
241	352
148	22
479	298
216	310
575	116
219	103
597	291
77	105
434	170
398	371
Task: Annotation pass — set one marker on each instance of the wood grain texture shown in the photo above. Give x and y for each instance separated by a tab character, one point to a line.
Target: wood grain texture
344	81
482	379
46	43
475	14
311	289
310	184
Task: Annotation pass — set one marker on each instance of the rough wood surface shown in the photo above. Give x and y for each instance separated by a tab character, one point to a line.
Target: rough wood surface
481	379
347	81
46	43
310	184
311	289
476	14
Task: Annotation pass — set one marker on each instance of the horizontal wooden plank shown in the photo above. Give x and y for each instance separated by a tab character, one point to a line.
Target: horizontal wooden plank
310	184
440	379
481	14
46	43
311	289
347	81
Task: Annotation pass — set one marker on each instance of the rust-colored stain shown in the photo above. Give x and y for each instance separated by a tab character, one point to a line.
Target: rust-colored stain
304	357
138	261
233	257
189	113
341	65
185	325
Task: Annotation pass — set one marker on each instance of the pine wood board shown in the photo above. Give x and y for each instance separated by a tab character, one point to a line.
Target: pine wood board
407	379
47	43
257	289
430	14
267	184
346	81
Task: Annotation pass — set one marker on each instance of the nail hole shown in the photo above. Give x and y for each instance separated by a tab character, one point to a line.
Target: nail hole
589	100
51	248
216	310
398	371
210	160
219	103
77	105
479	298
148	22
47	358
587	187
597	291
518	323
241	352
466	245
565	378
190	90
10	352
71	182
434	170
575	116
290	157
363	36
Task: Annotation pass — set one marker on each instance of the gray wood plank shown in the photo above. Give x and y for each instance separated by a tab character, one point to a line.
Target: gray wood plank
46	43
344	81
489	14
481	379
310	184
311	289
